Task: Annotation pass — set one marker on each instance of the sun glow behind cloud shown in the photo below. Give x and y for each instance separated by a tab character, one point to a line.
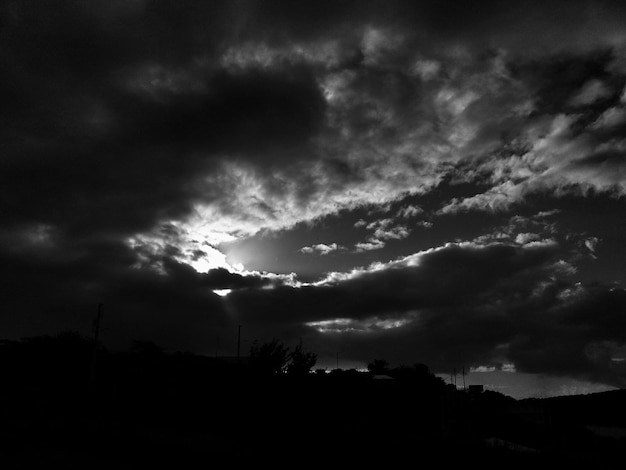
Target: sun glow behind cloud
238	199
199	255
222	292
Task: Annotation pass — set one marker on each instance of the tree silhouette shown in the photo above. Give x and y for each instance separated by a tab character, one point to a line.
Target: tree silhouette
269	358
301	361
63	358
146	348
378	366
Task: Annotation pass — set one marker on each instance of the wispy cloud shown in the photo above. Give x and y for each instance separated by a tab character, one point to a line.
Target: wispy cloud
321	248
409	211
591	243
383	230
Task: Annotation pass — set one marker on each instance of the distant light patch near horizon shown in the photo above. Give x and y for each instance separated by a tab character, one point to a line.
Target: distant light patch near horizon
345	325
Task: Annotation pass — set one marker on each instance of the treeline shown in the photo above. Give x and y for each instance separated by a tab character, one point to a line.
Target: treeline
73	359
64	395
272	402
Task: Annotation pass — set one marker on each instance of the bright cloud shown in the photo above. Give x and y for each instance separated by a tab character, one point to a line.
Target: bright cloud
321	248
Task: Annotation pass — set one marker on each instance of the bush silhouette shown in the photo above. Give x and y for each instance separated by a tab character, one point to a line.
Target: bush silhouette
378	366
301	361
269	358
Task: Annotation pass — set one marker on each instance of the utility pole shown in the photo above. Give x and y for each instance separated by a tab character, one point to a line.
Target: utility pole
463	377
96	333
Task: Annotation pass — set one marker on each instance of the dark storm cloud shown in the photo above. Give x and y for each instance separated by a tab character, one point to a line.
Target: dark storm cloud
50	285
119	112
583	336
459	304
422	281
108	125
221	278
531	26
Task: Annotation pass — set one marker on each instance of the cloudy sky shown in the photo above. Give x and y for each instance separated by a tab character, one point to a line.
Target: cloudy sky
436	181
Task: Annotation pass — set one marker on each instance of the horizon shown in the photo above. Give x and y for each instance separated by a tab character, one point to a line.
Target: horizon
504	380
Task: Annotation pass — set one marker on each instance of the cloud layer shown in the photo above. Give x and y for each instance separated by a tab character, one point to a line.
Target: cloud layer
232	130
137	137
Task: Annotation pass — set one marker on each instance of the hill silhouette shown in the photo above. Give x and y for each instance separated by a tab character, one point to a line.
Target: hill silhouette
150	407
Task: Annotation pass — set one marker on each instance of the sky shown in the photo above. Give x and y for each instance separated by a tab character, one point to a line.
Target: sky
430	182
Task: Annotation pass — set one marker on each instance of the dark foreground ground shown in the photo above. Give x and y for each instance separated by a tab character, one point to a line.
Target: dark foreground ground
183	411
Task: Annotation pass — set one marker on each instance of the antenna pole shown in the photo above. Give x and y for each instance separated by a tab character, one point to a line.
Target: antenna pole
463	377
